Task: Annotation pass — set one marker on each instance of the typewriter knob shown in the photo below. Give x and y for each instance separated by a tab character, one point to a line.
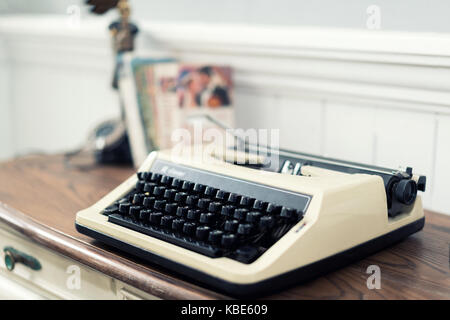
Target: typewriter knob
406	191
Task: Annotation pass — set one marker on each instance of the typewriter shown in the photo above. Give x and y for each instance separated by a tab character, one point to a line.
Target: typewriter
248	228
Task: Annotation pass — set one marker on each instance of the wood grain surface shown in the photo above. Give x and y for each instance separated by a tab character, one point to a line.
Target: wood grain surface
40	196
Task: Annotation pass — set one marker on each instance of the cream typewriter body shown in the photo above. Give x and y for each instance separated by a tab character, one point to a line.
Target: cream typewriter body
249	231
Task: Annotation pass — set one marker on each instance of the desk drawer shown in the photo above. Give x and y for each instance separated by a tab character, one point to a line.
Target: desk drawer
59	277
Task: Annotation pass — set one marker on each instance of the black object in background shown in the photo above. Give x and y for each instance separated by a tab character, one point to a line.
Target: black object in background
101	6
117	150
107	144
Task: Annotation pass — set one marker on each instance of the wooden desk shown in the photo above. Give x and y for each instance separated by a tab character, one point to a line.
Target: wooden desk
40	197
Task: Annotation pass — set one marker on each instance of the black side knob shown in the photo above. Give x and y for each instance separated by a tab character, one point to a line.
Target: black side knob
406	191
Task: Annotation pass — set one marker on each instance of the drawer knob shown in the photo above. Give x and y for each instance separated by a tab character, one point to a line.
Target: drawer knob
13	256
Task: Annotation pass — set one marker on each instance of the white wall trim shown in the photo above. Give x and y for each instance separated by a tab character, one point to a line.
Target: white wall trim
431	49
329	43
397	67
409	70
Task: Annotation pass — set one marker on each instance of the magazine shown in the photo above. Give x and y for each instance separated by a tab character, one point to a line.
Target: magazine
161	96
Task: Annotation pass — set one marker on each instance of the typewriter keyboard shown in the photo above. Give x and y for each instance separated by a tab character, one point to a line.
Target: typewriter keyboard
217	216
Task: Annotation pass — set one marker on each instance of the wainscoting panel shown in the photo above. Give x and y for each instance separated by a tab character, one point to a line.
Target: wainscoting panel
406	139
6	145
300	123
349	132
77	98
441	183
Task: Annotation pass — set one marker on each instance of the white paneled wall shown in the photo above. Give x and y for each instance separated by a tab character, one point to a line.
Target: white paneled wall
300	124
53	110
354	124
407	138
299	120
382	136
377	98
57	86
441	183
5	110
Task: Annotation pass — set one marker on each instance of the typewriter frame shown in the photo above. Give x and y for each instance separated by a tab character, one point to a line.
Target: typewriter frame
350	209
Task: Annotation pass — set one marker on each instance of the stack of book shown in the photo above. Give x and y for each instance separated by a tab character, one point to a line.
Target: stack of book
160	96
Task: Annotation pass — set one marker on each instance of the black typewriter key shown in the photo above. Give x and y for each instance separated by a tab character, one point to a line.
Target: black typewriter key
159	191
222	195
177	224
144	214
234	198
210	191
130	196
240	213
199	188
202	232
170	208
124	207
228	240
166	180
155	217
193	214
142	175
148	202
259	205
253	216
138	199
148	176
166	221
266	222
182	212
159	204
246	254
288	213
155	177
207	218
273	208
246	202
228	210
189	228
191	200
123	200
215	236
134	211
111	209
215	207
169	194
203	203
244	229
149	187
140	185
176	183
187	186
180	197
231	225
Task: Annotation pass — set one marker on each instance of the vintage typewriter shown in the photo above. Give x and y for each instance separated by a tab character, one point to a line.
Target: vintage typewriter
248	228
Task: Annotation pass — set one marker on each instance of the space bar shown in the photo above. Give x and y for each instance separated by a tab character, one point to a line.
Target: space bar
192	245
